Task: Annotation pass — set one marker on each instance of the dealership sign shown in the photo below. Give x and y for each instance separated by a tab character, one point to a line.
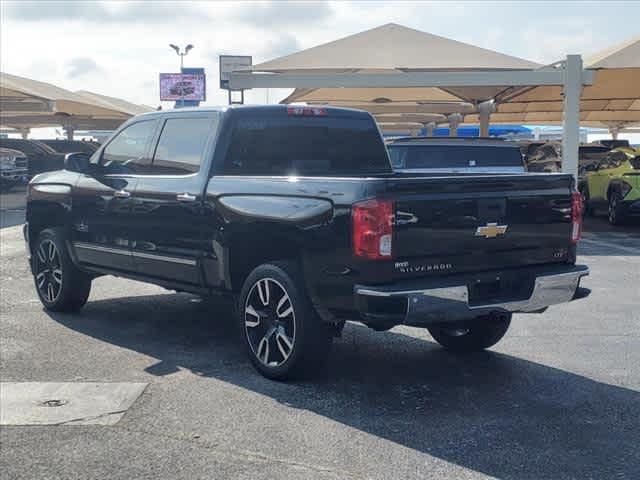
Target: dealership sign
231	63
179	86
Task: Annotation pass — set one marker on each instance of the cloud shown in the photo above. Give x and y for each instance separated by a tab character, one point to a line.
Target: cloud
131	12
551	45
79	66
283	45
270	14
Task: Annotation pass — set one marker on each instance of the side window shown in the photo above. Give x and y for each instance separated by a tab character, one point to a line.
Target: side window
181	146
126	152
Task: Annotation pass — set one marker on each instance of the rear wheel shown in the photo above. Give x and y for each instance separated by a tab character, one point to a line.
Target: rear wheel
616	215
283	334
475	335
588	211
60	285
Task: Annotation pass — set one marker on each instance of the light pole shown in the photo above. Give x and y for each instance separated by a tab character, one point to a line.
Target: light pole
182	54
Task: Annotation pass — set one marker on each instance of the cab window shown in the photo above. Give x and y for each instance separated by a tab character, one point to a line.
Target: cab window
182	144
126	152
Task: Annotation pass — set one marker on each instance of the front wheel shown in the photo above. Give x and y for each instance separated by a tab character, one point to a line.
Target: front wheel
478	334
283	334
60	285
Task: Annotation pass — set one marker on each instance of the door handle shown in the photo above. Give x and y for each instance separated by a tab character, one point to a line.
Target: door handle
121	194
185	197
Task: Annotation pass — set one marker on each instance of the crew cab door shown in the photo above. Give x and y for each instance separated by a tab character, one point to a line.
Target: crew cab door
102	199
167	205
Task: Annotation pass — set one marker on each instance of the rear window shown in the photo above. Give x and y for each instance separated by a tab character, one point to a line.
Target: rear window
312	146
453	156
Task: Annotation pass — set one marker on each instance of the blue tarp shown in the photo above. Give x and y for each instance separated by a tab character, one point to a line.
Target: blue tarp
494	131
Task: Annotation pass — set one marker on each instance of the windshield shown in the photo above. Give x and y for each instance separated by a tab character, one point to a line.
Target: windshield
454	157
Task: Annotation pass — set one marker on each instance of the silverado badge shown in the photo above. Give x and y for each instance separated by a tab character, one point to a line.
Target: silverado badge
491	230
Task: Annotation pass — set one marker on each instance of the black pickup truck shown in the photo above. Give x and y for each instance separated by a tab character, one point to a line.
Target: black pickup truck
296	213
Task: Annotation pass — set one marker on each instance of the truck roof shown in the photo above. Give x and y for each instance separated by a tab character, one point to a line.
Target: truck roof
249	109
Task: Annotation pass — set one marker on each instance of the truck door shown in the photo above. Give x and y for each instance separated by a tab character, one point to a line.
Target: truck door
102	199
167	206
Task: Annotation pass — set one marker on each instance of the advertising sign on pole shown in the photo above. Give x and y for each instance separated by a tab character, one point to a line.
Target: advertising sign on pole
231	63
182	86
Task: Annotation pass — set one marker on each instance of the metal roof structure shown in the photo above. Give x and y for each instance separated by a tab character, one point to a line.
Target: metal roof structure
395	48
395	58
612	101
27	103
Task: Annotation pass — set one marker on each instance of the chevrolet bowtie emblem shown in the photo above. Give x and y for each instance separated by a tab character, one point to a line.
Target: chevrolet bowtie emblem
491	230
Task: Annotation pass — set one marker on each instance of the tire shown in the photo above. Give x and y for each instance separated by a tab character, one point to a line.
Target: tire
480	333
284	336
588	211
60	285
616	215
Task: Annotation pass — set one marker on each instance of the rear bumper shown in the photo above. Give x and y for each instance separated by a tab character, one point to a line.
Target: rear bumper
423	305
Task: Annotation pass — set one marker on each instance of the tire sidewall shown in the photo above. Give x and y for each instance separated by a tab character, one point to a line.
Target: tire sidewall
614	207
303	315
57	236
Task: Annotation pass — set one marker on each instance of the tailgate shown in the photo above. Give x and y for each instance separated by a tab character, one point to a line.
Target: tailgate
471	223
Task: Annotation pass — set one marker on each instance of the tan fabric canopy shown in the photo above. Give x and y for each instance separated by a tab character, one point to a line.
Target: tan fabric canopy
393	48
399	126
26	103
420	118
115	103
612	101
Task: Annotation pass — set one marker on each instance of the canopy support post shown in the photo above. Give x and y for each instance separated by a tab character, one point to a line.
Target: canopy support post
485	109
454	121
430	128
614	131
69	131
571	114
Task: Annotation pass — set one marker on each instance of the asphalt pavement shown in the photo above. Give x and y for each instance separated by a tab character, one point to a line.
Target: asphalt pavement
559	397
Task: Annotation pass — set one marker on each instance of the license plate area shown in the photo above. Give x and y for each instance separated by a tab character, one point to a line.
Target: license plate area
500	287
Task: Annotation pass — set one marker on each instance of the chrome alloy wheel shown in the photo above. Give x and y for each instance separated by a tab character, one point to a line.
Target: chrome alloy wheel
613	209
48	271
269	322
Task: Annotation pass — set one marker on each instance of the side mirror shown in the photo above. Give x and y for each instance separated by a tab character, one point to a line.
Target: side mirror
77	162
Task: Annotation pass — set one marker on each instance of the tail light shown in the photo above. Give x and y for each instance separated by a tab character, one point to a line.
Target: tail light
577	207
372	223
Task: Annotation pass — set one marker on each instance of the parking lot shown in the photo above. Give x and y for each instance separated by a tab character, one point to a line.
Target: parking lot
557	398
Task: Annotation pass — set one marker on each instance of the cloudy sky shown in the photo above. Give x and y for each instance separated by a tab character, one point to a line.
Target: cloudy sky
118	48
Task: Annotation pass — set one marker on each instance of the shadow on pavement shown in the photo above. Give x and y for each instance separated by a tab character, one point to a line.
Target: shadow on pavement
489	412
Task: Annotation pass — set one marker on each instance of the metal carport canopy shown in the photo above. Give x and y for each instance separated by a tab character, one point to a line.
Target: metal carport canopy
27	103
612	100
568	74
395	57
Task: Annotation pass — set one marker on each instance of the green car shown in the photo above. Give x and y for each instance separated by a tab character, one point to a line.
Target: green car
614	182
